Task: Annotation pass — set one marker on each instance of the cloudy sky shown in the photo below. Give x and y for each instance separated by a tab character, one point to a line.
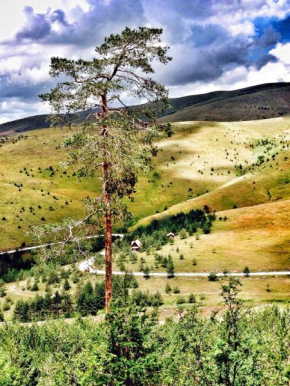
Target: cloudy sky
215	44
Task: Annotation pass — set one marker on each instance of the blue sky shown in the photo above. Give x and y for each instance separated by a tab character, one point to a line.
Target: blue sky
215	44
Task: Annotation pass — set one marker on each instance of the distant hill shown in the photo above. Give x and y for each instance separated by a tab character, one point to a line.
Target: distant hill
34	122
26	124
270	100
264	101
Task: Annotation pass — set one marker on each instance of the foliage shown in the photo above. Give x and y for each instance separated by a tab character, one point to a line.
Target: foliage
241	346
212	277
155	234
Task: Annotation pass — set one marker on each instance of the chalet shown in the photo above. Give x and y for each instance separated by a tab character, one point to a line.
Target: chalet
136	245
170	234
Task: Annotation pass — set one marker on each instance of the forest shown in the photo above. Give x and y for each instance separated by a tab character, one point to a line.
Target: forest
129	346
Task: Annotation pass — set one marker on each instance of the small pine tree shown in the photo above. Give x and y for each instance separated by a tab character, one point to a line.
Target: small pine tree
247	271
176	290
146	272
35	286
191	299
180	300
170	269
212	277
75	278
183	234
66	285
168	288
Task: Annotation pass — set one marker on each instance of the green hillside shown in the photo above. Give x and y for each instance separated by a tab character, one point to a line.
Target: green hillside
214	164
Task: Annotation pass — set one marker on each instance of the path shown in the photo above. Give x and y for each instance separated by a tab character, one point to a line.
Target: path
50	244
87	266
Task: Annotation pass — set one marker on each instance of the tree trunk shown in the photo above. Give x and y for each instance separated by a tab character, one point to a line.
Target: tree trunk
108	215
108	243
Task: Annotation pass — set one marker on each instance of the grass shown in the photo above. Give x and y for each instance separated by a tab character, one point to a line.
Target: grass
258	102
254	291
223	146
195	167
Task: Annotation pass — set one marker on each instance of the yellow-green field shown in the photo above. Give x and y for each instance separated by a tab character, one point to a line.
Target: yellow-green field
257	237
222	146
196	166
199	165
254	291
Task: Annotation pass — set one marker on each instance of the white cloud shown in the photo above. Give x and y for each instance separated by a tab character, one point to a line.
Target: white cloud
239	77
214	66
17	109
282	52
243	28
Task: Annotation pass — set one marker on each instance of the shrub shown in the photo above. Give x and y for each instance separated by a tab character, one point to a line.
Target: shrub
246	271
212	277
183	234
176	290
180	300
191	299
66	285
35	286
168	288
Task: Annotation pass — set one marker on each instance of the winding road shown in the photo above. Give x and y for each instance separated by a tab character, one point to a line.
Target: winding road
86	266
26	249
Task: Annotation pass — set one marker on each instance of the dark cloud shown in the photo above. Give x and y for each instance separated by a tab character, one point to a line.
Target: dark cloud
265	59
91	27
207	63
203	45
59	16
27	91
36	28
202	36
269	38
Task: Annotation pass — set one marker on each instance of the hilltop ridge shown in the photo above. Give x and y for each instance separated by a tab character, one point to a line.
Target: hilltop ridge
264	101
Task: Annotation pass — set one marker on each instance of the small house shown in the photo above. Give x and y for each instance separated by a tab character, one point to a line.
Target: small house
136	245
170	235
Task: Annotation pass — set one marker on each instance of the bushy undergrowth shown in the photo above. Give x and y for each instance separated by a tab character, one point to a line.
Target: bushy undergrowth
238	347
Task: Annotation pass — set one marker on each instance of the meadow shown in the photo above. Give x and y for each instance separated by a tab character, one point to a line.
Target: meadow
203	163
238	169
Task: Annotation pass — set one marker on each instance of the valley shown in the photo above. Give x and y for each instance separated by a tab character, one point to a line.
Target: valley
239	170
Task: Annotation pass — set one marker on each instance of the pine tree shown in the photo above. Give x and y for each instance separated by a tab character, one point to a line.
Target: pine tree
66	285
21	311
117	142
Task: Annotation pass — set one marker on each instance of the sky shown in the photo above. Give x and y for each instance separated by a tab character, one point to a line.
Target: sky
215	44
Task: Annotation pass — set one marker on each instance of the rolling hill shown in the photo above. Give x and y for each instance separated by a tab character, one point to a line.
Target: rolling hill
258	102
222	165
238	169
263	101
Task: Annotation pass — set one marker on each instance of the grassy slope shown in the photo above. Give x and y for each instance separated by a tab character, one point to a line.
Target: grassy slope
257	237
254	235
268	182
39	150
236	106
179	183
